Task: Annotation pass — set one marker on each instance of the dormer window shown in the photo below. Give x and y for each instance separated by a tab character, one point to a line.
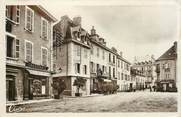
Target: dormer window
83	39
76	35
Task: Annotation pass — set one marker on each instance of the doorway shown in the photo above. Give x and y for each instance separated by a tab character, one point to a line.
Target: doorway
30	88
10	89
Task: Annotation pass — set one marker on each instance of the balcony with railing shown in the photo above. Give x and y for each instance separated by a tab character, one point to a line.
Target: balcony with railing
36	66
101	74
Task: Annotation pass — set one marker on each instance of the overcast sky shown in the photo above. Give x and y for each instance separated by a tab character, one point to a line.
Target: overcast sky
134	30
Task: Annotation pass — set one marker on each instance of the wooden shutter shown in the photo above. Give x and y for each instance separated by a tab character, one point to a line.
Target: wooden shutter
17	49
18	14
29	20
44	29
44	57
28	52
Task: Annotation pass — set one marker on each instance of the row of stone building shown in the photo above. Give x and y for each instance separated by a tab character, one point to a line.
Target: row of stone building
39	52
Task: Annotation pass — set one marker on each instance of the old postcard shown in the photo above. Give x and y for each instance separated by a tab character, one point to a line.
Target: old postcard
90	57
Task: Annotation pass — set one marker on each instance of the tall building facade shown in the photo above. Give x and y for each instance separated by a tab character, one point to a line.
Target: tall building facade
72	57
28	52
123	72
166	68
102	63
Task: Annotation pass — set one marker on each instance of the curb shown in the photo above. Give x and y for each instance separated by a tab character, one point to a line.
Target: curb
27	102
38	101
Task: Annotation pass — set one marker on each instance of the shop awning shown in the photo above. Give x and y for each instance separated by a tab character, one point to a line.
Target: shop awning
38	73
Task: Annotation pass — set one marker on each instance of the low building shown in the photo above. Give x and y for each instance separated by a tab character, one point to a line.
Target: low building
28	52
148	69
166	68
138	79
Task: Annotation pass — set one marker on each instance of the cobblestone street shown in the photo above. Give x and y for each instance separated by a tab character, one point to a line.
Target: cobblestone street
120	102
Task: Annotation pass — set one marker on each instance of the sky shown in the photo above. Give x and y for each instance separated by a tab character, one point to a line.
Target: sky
135	30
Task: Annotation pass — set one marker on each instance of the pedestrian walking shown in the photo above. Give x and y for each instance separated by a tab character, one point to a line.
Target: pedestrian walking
150	89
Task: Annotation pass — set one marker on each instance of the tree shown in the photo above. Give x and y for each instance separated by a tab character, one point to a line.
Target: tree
59	85
79	82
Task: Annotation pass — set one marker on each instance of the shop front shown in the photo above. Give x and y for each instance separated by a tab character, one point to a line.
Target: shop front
36	85
168	86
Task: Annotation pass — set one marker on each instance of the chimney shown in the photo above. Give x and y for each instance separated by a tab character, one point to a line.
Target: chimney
135	60
121	53
64	23
175	46
152	58
77	21
93	31
65	17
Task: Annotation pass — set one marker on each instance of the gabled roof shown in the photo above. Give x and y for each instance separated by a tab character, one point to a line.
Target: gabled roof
170	54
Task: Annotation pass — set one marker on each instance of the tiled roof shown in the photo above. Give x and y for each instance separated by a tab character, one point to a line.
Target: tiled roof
170	54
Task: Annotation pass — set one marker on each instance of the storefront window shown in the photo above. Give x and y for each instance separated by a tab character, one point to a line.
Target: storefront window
39	87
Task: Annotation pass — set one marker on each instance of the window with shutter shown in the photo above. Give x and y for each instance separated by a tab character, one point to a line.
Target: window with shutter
85	69
29	51
17	48
94	67
10	46
114	72
44	56
18	14
9	12
97	52
118	75
29	19
103	55
77	68
44	28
